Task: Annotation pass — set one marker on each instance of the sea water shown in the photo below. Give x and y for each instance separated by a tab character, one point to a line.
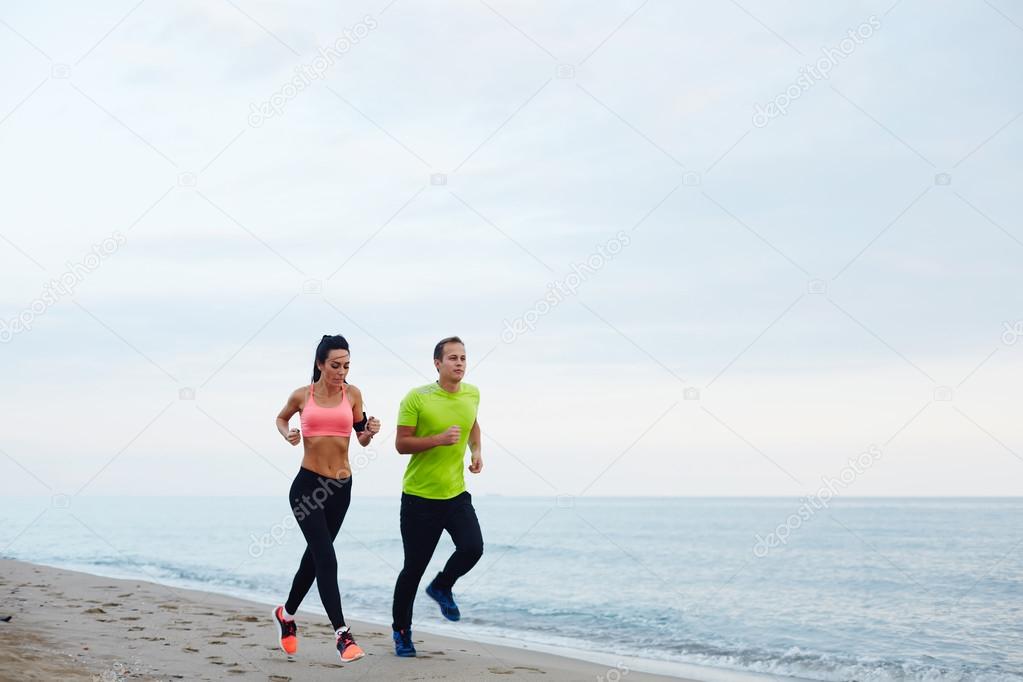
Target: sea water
862	589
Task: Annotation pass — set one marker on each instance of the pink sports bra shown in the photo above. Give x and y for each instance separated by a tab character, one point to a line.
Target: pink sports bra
327	421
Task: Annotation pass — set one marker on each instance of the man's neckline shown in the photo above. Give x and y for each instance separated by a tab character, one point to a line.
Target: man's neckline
437	384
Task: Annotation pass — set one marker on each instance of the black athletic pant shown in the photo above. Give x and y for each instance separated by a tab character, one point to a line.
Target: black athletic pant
319	505
422	521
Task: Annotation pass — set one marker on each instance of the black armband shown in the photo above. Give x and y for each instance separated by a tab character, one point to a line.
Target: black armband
361	426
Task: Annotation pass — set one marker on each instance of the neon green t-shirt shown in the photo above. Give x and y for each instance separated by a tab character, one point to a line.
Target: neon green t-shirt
438	473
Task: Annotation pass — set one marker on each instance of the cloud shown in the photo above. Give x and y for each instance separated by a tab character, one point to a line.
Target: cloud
227	224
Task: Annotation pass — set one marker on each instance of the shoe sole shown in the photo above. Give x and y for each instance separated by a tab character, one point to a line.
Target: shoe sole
280	632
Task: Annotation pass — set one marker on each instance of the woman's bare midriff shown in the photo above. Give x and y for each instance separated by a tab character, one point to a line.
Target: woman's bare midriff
327	455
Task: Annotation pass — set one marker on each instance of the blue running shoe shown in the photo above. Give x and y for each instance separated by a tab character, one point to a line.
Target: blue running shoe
403	643
448	607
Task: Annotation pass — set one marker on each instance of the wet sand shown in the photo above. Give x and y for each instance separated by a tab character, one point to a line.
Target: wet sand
76	626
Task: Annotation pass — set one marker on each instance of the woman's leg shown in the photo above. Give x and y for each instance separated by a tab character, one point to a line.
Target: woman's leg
336	506
303	580
313	499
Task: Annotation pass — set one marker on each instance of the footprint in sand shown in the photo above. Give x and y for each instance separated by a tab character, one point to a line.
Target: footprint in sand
245	619
111	603
501	671
169	607
129	617
94	609
279	678
189	649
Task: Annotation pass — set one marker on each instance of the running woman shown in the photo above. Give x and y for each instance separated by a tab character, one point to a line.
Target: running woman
330	409
435	422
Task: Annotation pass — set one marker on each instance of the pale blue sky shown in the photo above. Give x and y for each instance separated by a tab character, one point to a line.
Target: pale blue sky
105	111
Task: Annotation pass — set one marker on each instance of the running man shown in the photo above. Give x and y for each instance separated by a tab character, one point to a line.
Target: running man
321	492
435	422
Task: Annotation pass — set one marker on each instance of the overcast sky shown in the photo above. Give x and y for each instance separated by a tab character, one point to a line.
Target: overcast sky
743	299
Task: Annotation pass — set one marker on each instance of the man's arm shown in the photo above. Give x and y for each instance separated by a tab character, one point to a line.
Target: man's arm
475	439
476	447
407	443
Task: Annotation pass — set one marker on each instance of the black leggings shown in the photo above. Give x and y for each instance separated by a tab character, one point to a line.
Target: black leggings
422	521
319	505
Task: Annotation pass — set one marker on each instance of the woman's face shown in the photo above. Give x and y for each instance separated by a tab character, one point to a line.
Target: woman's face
335	369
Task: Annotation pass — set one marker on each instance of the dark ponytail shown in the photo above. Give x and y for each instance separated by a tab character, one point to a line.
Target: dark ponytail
327	344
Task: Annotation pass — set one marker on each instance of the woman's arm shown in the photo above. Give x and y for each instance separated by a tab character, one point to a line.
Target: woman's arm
358	412
293	436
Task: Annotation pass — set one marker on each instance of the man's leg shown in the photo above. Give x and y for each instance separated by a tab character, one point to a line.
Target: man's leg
422	522
464	528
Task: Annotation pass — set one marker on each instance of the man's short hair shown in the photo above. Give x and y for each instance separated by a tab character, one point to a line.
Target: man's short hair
438	351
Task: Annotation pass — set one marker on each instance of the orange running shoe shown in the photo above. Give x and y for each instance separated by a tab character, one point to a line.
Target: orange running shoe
347	649
287	631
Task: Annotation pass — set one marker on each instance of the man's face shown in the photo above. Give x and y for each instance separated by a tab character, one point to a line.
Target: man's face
452	361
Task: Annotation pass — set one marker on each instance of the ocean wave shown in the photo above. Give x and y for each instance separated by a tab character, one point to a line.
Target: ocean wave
643	635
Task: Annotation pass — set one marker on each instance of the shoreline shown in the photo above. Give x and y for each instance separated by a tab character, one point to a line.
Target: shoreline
81	626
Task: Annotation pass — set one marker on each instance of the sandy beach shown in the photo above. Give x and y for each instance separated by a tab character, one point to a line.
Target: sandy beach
76	626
